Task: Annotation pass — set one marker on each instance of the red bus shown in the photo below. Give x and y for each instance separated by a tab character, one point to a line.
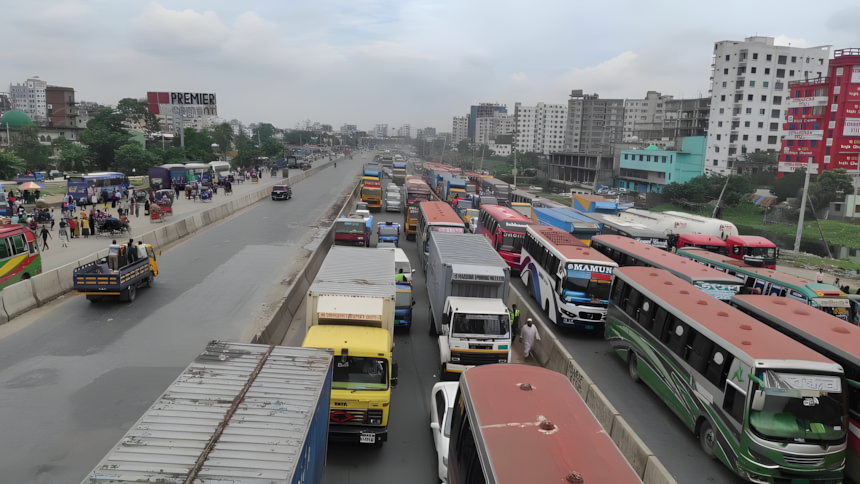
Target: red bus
753	250
514	424
707	242
505	229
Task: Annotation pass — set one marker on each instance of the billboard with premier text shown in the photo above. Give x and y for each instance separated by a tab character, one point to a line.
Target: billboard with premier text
188	104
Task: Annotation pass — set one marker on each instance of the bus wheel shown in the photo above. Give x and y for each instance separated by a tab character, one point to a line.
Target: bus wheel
26	276
708	438
633	366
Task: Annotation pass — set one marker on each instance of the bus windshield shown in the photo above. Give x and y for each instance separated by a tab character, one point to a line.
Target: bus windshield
350	227
480	324
761	252
511	242
360	373
798	408
579	284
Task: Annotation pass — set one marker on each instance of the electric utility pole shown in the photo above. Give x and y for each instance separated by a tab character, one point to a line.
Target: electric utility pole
809	166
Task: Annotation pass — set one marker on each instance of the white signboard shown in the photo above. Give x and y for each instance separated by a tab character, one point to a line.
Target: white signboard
805	102
791	167
855	75
852	127
810	134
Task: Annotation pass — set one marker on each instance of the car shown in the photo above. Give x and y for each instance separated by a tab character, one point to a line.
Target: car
441	410
282	192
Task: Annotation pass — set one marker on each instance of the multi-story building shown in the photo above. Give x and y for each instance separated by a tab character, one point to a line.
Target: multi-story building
405	131
501	145
460	129
489	127
5	103
429	132
593	124
380	131
682	118
650	169
61	106
483	110
29	97
348	129
540	128
748	92
648	111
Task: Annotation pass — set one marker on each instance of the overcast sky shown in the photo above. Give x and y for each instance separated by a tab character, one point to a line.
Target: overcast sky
384	61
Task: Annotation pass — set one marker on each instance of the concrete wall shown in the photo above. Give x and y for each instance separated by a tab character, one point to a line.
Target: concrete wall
43	288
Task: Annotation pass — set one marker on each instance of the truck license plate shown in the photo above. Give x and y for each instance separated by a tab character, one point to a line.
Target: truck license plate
368	438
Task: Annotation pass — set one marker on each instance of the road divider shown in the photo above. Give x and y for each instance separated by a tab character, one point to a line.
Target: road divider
551	354
23	296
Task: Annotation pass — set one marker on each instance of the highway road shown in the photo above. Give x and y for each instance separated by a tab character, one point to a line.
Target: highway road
409	454
652	420
75	375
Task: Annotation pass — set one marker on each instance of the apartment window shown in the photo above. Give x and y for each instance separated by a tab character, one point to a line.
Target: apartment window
761	112
741	70
769	57
664	161
774	126
746	137
781	59
716	149
758	137
791	73
755	56
752	83
722	111
719	124
821	62
719	137
725	84
774	113
771	140
767	71
723	97
793	59
715	162
726	71
749	110
749	97
728	57
746	124
752	70
780	73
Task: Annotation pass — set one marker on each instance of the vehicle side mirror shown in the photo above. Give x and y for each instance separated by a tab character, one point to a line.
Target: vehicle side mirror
158	253
758	401
434	425
413	270
413	302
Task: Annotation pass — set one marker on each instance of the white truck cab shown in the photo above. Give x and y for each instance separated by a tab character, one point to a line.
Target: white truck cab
475	331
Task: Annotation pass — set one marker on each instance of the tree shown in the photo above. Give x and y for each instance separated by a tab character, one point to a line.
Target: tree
137	111
704	188
198	145
789	185
10	164
105	133
28	147
829	186
264	131
70	156
223	136
131	158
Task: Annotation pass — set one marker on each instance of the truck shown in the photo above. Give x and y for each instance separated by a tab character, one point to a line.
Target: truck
371	170
354	230
399	172
455	188
388	232
350	308
114	276
580	226
403	306
371	193
238	413
471	330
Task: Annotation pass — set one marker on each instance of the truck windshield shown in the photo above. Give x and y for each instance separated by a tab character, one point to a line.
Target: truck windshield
350	227
578	285
481	324
796	408
371	192
385	231
403	300
761	252
360	373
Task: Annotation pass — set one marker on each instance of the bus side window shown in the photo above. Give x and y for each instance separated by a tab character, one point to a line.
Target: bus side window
4	248
677	337
20	246
469	464
659	323
632	304
645	313
733	402
617	289
717	370
699	349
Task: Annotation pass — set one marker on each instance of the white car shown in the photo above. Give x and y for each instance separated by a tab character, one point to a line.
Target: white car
441	410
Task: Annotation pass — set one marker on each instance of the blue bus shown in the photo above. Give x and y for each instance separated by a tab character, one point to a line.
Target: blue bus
99	182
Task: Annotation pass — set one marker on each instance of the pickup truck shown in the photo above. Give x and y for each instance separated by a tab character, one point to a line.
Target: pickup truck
388	232
113	276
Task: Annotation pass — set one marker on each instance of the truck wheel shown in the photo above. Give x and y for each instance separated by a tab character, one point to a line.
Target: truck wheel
633	366
128	294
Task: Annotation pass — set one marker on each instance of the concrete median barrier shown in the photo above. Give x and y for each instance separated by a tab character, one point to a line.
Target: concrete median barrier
150	239
66	275
189	224
4	318
182	228
46	287
18	299
161	236
603	411
630	445
172	232
577	377
198	221
205	217
656	473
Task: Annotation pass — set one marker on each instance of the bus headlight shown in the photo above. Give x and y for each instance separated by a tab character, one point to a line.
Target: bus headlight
568	313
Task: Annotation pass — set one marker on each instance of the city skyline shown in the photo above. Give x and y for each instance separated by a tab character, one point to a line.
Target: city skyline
366	62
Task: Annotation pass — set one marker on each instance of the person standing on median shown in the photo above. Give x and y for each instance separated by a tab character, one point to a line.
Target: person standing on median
64	236
515	320
530	334
45	234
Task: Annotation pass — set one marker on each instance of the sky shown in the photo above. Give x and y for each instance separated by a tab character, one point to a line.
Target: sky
366	62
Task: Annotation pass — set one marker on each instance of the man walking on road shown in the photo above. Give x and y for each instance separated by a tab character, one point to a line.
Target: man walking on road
515	320
530	334
45	234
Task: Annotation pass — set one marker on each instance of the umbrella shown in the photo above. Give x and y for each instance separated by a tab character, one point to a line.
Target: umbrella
31	186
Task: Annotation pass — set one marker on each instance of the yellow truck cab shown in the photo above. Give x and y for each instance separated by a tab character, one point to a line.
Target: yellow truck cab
364	373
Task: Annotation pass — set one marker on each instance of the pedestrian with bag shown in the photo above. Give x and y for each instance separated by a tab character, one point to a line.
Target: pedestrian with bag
85	227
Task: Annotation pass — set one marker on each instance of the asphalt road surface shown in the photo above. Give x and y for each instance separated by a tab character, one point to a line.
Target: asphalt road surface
76	375
652	420
409	454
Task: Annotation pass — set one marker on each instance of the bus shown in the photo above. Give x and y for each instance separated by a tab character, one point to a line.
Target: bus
99	182
200	172
707	242
628	252
435	217
612	225
19	255
513	424
568	279
825	297
769	408
828	336
505	228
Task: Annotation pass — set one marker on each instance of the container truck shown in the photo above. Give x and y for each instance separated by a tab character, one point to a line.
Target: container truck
399	173
239	413
579	226
350	308
468	284
371	193
455	188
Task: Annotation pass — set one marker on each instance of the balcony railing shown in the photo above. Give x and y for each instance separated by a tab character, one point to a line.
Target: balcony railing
846	52
816	80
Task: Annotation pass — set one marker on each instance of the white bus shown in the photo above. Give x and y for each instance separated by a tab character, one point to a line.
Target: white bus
567	278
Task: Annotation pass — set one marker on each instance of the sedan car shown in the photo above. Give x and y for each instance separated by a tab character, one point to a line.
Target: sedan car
441	410
282	192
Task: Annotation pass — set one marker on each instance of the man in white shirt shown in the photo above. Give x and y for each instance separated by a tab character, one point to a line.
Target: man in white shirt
529	335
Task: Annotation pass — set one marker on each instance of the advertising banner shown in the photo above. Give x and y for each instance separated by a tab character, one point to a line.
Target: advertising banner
189	104
855	75
845	160
791	167
848	146
805	134
851	127
805	102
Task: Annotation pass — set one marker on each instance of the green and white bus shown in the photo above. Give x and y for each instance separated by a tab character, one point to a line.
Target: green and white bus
629	252
827	335
767	282
765	405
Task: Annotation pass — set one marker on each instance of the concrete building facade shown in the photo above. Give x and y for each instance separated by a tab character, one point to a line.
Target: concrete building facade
380	131
29	97
593	124
540	128
682	118
60	106
483	110
489	127
647	111
749	87
650	169
460	129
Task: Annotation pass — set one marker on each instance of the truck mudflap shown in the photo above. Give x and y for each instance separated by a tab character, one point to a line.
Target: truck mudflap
357	434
